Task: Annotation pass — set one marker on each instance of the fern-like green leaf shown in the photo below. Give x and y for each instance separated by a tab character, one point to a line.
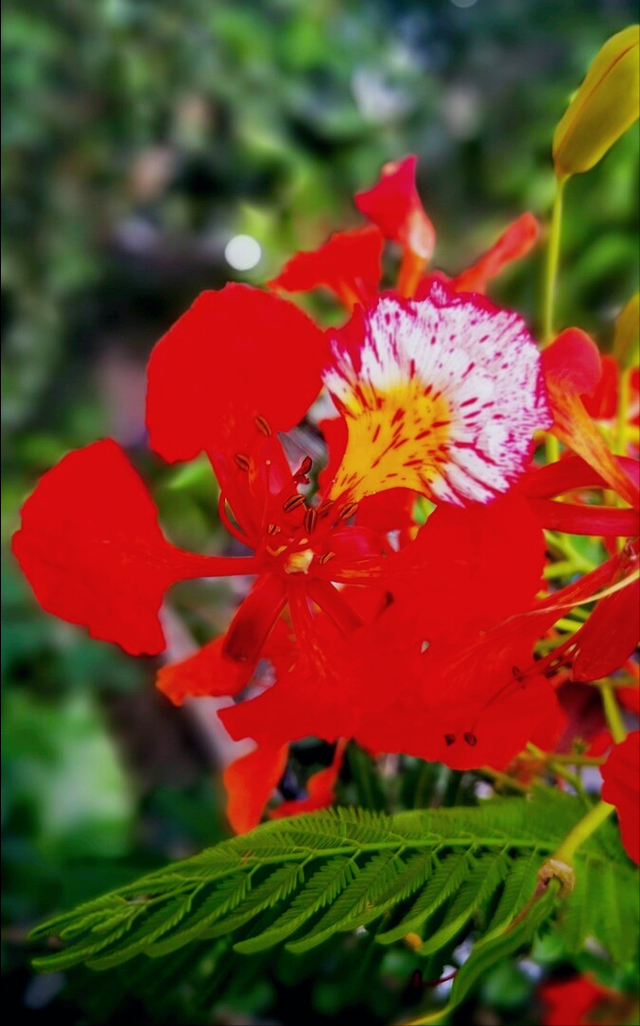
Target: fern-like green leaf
322	889
486	876
305	879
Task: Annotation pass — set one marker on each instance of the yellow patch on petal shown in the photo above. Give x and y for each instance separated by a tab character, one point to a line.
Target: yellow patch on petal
396	438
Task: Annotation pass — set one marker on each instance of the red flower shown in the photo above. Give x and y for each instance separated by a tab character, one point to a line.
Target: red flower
349	263
621	774
581	1002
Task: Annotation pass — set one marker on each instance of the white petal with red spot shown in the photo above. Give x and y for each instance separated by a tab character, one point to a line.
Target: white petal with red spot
459	380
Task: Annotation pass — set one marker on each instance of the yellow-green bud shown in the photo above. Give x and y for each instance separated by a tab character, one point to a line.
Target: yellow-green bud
604	107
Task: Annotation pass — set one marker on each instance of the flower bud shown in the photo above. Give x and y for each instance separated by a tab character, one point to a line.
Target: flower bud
604	107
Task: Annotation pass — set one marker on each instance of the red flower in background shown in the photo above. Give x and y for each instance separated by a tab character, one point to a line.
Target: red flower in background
582	1002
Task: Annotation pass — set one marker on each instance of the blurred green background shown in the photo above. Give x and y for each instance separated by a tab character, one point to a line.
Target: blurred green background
140	137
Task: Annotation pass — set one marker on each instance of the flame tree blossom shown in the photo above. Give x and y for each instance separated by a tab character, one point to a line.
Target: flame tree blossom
413	645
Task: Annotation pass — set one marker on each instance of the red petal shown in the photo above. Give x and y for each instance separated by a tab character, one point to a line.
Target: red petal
249	782
93	553
609	636
205	673
620	773
519	238
603	403
255	619
320	789
395	206
571	473
456	552
590	520
235	355
348	264
572	363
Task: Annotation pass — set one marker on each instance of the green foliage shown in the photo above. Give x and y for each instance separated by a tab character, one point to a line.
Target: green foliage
443	872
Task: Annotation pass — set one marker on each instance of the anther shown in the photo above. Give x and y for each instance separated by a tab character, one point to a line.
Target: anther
449	739
470	738
262	425
325	508
272	529
348	510
300	475
326	557
242	461
293	502
310	518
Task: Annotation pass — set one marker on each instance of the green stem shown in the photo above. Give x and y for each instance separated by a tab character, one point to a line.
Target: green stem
551	270
612	712
588	825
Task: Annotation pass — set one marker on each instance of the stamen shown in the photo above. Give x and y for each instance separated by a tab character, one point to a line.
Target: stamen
470	738
326	557
325	508
243	462
348	510
310	518
262	425
272	529
293	502
449	739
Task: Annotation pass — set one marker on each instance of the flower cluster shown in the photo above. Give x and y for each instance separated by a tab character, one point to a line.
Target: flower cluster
365	618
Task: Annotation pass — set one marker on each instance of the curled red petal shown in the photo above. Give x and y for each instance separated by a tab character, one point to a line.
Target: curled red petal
234	356
395	206
591	520
621	773
93	552
571	473
518	239
572	363
249	782
349	264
